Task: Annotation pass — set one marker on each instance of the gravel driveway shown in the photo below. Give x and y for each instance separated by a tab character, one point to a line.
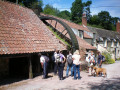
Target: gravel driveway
112	82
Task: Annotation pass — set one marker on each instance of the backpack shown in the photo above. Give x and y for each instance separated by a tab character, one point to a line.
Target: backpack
58	58
46	58
69	59
103	58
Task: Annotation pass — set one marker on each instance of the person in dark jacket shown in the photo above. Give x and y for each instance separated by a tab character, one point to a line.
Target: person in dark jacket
60	60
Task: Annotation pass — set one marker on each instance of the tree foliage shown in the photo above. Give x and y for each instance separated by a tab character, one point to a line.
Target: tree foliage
51	10
76	11
64	14
78	7
105	20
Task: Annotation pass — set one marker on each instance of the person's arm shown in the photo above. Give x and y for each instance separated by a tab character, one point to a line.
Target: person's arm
42	64
42	61
64	59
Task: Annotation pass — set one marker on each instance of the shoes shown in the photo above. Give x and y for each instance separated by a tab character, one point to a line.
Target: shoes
74	79
66	76
44	78
89	75
61	78
79	78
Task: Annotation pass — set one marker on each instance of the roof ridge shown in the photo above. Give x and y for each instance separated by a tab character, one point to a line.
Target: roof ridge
101	29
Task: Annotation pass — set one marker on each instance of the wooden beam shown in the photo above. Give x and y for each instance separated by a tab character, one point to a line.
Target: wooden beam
63	30
55	24
30	68
66	33
51	22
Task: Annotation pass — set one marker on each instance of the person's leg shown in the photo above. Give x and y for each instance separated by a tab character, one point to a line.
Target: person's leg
46	67
78	70
67	71
55	68
74	71
62	66
44	70
89	70
59	71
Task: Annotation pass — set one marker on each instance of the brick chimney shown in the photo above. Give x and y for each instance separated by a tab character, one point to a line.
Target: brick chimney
84	19
118	26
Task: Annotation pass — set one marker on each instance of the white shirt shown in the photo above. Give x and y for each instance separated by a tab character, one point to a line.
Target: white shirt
42	59
91	59
55	55
76	60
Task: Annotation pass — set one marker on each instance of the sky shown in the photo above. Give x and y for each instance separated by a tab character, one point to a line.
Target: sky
113	6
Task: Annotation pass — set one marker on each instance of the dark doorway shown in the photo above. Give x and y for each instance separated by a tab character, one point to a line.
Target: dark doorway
18	67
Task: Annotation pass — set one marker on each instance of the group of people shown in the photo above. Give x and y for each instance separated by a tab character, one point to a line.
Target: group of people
94	61
73	62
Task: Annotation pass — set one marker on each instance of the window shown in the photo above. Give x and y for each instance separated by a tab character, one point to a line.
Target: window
81	34
105	42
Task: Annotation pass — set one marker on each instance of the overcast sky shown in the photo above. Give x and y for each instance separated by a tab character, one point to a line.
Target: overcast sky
97	6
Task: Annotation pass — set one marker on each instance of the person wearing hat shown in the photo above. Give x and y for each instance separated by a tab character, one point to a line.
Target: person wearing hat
76	62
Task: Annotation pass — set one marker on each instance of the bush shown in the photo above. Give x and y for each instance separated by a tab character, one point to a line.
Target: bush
118	59
108	59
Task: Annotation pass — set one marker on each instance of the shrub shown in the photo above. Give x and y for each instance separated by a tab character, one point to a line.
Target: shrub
108	59
118	59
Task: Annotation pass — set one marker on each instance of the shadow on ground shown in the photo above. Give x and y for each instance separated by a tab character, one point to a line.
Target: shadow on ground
112	84
11	80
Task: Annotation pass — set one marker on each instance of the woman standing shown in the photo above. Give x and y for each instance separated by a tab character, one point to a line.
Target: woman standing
76	61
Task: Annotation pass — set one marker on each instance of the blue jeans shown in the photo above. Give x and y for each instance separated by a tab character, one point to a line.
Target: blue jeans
60	70
68	67
76	69
45	69
55	68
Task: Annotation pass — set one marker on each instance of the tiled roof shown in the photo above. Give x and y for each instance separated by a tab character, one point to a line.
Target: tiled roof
21	31
86	35
84	44
71	24
105	33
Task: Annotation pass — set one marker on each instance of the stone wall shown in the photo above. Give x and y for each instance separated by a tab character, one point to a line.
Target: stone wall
4	67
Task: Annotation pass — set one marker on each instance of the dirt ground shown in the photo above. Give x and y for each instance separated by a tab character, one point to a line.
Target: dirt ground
111	82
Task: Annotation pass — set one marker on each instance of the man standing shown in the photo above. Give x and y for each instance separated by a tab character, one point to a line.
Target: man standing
60	59
54	60
76	61
44	63
99	62
69	64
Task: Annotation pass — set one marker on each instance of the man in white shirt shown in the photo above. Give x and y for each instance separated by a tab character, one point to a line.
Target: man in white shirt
44	63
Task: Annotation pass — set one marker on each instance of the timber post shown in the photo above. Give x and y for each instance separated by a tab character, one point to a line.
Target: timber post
30	68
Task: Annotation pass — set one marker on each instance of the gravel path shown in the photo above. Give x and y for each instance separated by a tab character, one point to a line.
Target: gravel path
112	82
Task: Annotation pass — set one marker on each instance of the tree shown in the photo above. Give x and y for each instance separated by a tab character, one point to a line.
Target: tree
78	8
87	9
76	11
94	20
105	20
51	10
37	7
64	14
